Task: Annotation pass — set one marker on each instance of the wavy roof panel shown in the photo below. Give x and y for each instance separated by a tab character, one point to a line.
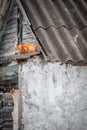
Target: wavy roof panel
60	27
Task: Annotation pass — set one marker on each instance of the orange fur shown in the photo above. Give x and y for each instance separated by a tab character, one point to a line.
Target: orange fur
25	48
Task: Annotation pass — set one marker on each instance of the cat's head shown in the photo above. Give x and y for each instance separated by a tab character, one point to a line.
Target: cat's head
17	48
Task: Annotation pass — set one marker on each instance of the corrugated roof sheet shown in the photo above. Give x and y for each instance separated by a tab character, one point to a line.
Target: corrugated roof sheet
60	26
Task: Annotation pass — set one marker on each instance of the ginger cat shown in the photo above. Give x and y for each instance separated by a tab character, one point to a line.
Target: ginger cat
25	48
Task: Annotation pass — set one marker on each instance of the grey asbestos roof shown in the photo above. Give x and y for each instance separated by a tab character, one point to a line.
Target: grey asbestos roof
60	27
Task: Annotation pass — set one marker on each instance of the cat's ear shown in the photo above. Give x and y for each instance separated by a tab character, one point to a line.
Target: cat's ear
15	47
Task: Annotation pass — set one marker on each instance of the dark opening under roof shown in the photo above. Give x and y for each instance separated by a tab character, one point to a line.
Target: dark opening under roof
60	26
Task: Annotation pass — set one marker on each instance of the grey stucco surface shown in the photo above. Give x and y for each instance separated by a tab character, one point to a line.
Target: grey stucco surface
54	96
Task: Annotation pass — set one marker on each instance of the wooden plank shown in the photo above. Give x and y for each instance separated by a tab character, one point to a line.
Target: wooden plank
11	36
13	17
11	27
7	36
26	33
10	41
80	63
22	11
19	57
10	23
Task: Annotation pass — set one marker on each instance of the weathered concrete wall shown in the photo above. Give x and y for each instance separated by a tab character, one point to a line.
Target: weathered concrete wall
54	96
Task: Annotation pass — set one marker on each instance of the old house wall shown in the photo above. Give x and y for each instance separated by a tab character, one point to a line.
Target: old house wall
54	96
9	33
9	69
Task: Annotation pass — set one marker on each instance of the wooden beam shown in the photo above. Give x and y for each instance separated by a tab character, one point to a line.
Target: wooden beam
79	63
18	57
